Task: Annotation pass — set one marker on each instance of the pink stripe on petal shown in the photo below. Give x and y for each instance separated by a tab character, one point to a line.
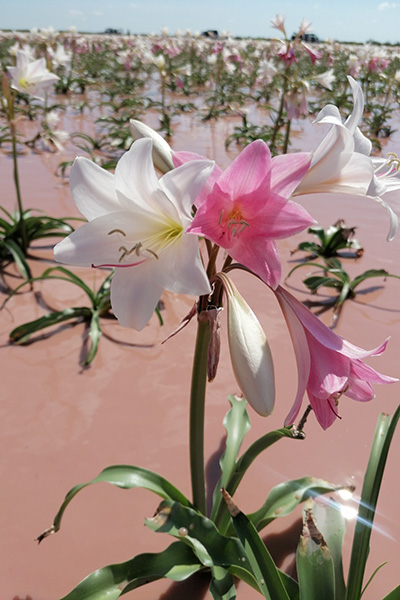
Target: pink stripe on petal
119	265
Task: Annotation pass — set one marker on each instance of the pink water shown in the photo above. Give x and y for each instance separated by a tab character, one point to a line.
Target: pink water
61	425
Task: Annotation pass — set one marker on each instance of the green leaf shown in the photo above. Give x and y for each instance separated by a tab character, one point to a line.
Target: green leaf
369	274
211	547
177	562
373	575
70	276
94	335
315	568
222	585
284	498
306	264
237	424
393	595
330	521
369	497
319	232
316	281
22	333
222	518
265	571
19	257
126	477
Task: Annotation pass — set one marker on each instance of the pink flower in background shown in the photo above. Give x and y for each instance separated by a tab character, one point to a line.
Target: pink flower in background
328	366
247	208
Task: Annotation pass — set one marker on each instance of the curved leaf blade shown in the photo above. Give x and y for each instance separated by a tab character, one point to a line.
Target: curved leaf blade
237	424
284	498
126	477
177	562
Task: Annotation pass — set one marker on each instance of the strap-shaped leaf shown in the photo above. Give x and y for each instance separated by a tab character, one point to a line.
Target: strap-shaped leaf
126	477
284	498
222	585
393	595
265	571
315	568
177	562
19	257
211	547
94	336
369	274
369	497
237	424
22	333
222	519
331	523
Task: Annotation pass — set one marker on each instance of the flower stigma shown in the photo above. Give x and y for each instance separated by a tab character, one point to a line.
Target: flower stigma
392	164
233	223
153	245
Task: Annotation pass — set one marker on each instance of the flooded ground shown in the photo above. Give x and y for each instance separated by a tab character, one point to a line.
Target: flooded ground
61	424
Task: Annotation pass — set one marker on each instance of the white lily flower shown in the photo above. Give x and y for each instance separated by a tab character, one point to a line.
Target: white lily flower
341	163
162	151
250	352
31	77
325	79
137	224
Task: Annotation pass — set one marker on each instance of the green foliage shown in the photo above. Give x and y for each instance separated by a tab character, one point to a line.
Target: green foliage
336	278
100	305
18	232
336	237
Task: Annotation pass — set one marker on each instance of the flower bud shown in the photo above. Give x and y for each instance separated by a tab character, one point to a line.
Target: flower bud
162	152
250	353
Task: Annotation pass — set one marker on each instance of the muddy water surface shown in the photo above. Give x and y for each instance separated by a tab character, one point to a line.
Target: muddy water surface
61	424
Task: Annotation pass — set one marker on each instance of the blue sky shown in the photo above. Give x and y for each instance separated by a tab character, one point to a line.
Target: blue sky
338	19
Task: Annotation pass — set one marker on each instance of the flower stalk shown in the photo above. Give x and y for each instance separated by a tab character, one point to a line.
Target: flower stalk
197	410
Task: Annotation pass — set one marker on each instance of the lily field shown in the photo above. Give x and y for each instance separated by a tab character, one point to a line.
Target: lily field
250	188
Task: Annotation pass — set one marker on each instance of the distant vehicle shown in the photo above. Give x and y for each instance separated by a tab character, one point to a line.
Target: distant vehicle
115	31
308	37
210	33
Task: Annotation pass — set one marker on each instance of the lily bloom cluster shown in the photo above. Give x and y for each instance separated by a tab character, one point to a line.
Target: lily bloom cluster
142	227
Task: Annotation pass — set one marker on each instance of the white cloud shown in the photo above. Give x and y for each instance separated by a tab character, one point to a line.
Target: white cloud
386	5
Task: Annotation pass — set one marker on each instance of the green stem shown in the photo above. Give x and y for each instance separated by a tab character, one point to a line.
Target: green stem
21	222
287	137
278	122
197	408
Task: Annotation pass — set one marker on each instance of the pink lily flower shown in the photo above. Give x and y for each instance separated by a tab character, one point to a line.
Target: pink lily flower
328	366
247	209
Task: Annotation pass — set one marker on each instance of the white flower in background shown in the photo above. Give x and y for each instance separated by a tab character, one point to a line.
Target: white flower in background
137	225
325	79
52	118
267	70
250	352
159	61
59	56
52	136
341	163
31	77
